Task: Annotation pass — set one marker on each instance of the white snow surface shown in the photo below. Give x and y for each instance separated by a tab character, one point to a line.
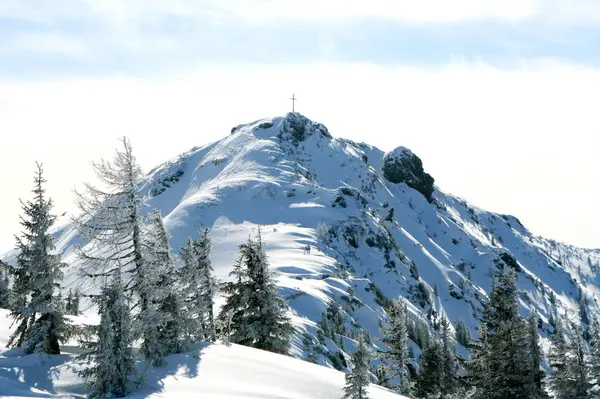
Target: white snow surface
302	186
207	371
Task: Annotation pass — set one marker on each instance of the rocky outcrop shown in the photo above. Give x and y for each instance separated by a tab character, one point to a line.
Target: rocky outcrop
296	127
402	166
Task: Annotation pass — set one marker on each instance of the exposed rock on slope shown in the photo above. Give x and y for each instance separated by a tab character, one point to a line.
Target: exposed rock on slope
402	166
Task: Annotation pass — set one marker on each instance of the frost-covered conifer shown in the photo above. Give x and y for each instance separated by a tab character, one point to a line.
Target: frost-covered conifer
357	380
578	368
558	378
109	362
199	287
448	364
462	334
112	223
259	314
430	379
535	358
594	359
4	286
160	324
41	325
395	337
505	345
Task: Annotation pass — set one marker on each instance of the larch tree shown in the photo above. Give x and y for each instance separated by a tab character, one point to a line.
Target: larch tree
111	222
41	324
258	313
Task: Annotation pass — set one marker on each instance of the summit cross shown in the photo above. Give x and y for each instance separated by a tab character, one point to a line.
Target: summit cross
293	103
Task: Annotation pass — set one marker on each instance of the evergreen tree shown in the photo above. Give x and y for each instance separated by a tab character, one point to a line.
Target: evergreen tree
395	337
4	286
109	360
478	366
448	365
594	360
535	358
583	313
430	379
578	373
72	303
199	287
507	344
462	334
259	314
69	302
161	326
559	362
41	323
357	380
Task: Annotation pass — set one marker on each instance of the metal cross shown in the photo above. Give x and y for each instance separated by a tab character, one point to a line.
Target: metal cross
293	102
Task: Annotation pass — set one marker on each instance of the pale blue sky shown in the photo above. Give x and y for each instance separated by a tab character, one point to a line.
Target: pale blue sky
490	94
67	38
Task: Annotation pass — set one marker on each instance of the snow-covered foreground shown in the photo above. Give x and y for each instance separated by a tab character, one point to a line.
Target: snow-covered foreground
207	371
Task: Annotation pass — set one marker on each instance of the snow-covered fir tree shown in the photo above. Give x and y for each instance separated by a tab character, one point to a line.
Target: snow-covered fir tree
558	378
478	372
594	360
395	337
430	377
357	380
199	287
506	345
578	373
569	370
535	358
41	324
159	324
259	316
463	336
72	303
109	363
4	286
449	381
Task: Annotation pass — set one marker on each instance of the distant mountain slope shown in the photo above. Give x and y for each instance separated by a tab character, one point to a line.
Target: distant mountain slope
377	227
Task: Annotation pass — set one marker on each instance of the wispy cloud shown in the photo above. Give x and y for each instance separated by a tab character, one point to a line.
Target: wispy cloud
156	36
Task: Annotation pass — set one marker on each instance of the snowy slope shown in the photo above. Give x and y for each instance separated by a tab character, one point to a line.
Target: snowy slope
209	371
290	176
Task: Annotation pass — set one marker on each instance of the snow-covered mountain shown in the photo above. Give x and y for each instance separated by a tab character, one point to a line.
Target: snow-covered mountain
377	227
